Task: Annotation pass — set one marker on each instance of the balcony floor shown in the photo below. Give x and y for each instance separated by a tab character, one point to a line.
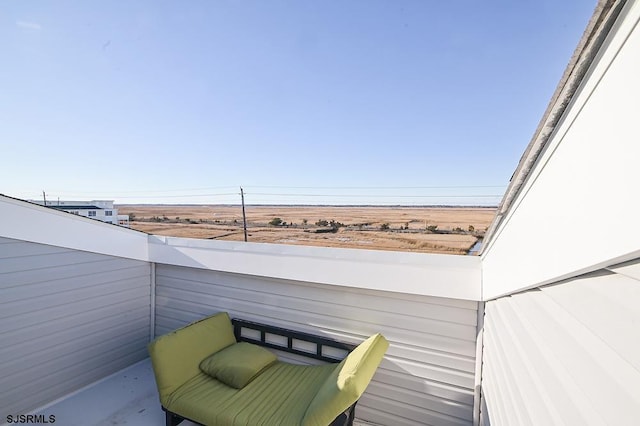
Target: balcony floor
128	397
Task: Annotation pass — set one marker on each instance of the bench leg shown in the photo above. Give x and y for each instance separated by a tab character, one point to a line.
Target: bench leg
351	412
346	418
172	419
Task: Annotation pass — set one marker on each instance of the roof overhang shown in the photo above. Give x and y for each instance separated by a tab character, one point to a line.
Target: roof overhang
601	22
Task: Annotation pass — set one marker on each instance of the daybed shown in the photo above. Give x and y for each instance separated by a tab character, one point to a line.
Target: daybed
244	384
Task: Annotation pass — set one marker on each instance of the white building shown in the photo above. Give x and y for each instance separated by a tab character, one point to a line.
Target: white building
95	209
541	329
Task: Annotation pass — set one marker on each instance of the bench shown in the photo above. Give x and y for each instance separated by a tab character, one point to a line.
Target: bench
216	371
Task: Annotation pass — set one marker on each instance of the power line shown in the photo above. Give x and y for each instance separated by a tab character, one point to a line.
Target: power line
168	196
375	195
145	191
378	187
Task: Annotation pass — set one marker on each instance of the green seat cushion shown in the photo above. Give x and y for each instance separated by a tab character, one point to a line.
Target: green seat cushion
280	395
176	356
347	382
238	364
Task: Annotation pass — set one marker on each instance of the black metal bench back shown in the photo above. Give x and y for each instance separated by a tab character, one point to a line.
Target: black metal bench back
291	335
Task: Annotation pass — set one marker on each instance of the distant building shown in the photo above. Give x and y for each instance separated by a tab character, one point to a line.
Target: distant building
96	209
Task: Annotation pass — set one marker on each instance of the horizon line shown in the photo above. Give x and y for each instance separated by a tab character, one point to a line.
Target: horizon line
311	205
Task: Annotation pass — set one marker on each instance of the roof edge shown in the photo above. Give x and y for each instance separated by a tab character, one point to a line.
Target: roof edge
601	22
30	222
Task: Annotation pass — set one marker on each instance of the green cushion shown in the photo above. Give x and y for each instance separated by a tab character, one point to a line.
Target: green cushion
279	396
347	382
238	364
176	356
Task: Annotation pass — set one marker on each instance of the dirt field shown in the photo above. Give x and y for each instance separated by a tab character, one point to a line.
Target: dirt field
416	229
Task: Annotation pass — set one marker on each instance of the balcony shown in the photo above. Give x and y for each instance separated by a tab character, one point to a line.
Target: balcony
539	329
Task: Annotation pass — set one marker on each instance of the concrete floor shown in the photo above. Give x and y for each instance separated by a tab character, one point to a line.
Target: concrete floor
128	397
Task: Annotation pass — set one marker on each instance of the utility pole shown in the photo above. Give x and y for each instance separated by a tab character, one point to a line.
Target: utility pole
45	197
244	215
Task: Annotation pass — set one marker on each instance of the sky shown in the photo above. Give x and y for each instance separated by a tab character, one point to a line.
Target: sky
300	102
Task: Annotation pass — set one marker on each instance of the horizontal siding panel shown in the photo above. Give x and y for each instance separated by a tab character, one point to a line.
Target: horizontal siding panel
428	371
14	249
67	357
84	303
564	354
44	262
535	391
449	408
325	307
67	318
64	272
396	409
447	324
338	328
432	356
544	388
62	292
122	312
518	406
588	360
462	311
62	343
611	315
274	306
383	418
317	304
427	376
422	385
341	329
163	330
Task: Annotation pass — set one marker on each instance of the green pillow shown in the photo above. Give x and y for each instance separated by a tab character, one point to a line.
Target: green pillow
347	383
238	364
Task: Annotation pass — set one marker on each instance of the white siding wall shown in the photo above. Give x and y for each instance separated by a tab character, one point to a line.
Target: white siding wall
578	211
67	318
427	376
565	354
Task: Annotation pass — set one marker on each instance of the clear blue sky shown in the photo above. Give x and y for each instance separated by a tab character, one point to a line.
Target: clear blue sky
390	102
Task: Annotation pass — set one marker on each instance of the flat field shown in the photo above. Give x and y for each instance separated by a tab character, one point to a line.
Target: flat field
451	230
